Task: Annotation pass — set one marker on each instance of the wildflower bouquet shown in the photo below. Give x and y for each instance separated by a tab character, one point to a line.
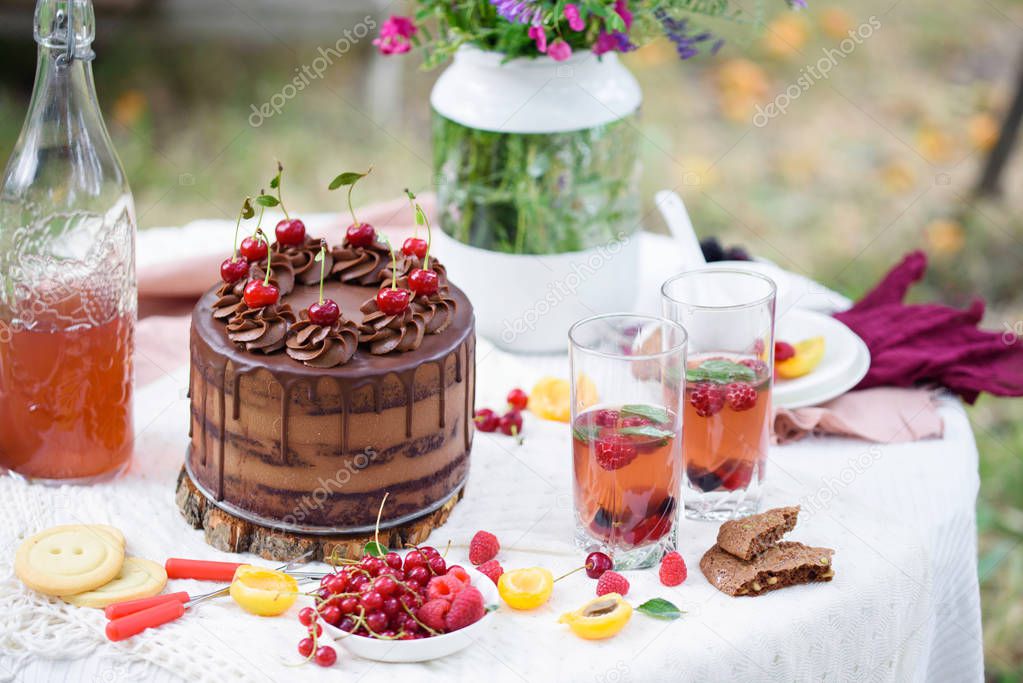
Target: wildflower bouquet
531	28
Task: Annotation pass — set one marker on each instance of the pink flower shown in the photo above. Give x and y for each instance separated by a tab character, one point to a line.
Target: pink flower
538	35
575	22
622	9
395	34
559	50
606	42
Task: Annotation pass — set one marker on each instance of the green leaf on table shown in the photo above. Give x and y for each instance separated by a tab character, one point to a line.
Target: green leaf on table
652	413
267	200
659	608
374	549
347	178
646	430
722	371
585	433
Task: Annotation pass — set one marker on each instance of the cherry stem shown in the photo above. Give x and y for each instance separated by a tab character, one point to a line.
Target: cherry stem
280	181
351	188
323	266
429	238
569	573
237	226
394	261
380	512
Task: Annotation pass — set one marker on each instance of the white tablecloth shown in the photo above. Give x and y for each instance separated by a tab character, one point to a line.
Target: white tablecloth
904	604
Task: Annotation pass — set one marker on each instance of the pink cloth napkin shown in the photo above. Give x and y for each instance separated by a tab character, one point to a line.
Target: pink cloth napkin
882	415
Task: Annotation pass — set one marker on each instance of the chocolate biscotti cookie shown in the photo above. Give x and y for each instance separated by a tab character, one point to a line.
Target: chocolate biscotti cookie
748	537
786	564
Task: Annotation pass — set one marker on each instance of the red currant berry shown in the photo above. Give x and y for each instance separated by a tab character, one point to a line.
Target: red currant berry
232	269
316	629
393	301
376	621
335	583
419	574
372	600
306	616
325	655
518	399
414	558
429	551
252	249
391	606
331	614
361	235
486	420
346	624
305	647
349	605
325	313
290	233
414	246
385	585
425	282
393	560
438	565
257	294
598	563
511	423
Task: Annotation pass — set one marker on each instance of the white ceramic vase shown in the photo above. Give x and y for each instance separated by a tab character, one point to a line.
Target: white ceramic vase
545	233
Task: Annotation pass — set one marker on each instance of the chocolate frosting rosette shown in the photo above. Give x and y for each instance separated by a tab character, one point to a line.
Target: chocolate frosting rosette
262	329
322	346
385	333
302	260
360	265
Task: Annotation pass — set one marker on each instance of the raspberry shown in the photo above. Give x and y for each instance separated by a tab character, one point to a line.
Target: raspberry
443	587
635	421
492	569
708	399
612	582
614	451
432	613
483	547
758	366
467	608
606	418
740	396
783	350
673	569
460	574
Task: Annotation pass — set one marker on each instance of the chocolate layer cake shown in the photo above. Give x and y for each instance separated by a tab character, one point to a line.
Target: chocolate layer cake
283	442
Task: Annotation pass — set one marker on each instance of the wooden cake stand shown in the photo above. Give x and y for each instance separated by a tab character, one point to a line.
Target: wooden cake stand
226	532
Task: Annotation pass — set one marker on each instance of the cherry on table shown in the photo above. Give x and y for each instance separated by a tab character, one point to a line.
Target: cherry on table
393	301
233	269
424	282
252	249
324	313
257	294
290	232
361	235
415	246
518	399
511	423
486	420
597	563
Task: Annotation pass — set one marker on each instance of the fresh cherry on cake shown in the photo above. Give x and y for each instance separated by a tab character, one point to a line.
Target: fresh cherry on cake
361	235
425	282
290	232
325	313
415	246
393	301
253	249
259	293
233	269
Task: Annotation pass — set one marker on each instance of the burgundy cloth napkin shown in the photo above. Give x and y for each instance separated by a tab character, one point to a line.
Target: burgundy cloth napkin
914	344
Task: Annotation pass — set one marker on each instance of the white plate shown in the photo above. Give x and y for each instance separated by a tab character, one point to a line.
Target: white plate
846	359
424	649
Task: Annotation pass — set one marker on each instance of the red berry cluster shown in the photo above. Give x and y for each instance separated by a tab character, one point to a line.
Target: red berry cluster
393	598
709	398
486	420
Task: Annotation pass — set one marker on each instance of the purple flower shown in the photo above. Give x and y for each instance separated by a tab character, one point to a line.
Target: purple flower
519	11
540	37
395	34
612	42
687	44
559	50
622	9
575	22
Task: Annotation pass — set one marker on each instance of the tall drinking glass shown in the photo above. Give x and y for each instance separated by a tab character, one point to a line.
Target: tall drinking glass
626	435
729	315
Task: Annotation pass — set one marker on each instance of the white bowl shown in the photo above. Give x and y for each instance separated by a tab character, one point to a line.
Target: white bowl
424	649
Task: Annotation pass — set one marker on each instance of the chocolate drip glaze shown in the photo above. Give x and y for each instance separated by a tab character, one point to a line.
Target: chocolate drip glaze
322	346
261	329
302	259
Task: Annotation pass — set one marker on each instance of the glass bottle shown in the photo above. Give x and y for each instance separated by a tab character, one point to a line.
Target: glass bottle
67	271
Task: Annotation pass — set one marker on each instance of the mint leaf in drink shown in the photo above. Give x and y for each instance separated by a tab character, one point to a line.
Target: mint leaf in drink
721	371
652	413
646	430
659	608
585	433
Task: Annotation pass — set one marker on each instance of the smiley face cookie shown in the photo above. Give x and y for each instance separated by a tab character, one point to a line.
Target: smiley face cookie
70	559
138	578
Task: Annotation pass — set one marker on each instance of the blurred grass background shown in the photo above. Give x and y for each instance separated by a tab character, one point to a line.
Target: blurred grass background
877	158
